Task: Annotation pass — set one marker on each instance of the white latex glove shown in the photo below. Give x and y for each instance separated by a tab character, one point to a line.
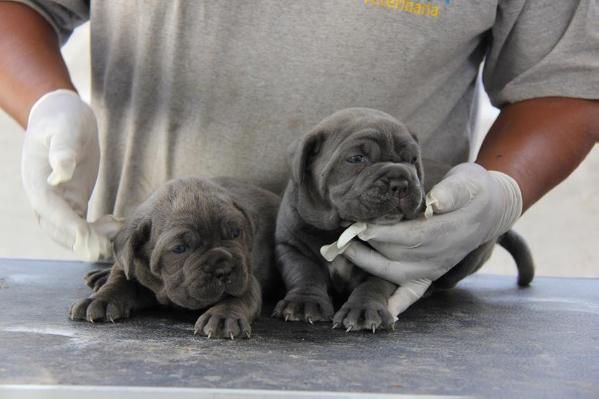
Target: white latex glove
470	205
402	298
59	169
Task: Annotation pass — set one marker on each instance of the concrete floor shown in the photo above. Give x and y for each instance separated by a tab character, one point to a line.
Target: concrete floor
562	229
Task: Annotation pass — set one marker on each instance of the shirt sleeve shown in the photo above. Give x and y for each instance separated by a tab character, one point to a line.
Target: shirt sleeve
63	15
543	48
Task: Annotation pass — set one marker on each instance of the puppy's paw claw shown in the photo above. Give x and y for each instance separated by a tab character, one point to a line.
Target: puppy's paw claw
310	306
363	315
94	310
223	322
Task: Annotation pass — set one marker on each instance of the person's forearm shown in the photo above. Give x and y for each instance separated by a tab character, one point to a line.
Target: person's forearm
30	60
539	142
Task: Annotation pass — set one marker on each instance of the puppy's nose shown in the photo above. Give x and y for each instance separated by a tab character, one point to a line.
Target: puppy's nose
223	271
398	186
219	264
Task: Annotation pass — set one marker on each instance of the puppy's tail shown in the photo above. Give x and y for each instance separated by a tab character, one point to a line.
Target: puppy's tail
518	248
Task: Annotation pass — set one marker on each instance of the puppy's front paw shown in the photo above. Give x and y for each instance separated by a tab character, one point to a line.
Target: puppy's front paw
94	309
96	279
224	322
306	305
363	315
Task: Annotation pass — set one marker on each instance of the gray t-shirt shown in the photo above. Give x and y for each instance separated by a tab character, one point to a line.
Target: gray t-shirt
222	87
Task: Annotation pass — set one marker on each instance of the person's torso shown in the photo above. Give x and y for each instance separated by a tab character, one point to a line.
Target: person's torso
221	88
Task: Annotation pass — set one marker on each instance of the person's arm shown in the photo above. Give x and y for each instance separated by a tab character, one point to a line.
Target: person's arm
61	154
30	60
539	142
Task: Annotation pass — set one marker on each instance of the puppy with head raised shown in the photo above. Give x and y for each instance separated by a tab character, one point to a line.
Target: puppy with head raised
357	165
196	244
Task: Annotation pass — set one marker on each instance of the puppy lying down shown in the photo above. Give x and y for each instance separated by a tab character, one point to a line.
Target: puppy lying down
357	165
197	244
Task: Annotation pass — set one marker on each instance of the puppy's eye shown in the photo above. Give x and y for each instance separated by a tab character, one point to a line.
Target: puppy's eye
357	159
181	248
414	160
235	232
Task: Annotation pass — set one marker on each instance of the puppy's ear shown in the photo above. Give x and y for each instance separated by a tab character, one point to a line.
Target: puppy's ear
302	151
128	244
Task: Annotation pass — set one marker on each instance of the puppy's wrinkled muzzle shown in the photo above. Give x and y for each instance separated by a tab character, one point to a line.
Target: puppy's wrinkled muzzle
224	270
393	193
392	186
396	179
219	263
398	186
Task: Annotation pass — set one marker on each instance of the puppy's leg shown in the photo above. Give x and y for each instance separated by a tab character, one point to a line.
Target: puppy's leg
307	283
232	317
366	307
116	299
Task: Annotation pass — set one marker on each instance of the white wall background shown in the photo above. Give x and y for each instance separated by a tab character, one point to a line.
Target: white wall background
562	229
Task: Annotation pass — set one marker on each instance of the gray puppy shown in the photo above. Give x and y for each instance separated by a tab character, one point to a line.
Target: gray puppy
196	244
357	165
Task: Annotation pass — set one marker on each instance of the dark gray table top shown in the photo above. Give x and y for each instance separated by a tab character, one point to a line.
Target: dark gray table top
486	337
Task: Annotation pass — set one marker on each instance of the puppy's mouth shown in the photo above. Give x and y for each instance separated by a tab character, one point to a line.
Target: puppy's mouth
380	209
200	289
207	287
387	219
199	295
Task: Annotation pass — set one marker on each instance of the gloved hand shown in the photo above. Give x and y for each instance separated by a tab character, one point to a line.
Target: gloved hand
403	297
59	169
470	205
